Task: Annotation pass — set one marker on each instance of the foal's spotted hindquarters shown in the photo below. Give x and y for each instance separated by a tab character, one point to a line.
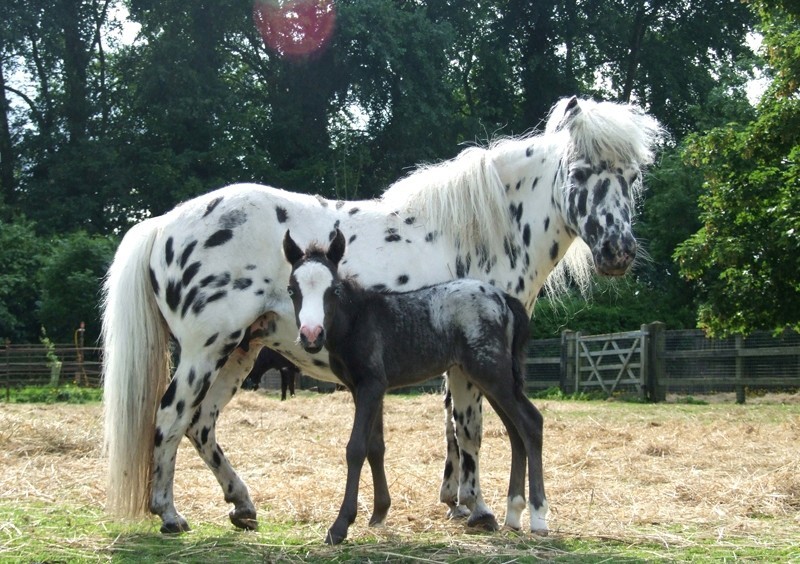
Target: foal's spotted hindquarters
379	340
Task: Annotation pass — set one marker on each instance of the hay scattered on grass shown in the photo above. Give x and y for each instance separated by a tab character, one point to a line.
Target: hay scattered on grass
666	474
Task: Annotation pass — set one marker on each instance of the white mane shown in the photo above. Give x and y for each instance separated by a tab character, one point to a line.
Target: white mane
465	198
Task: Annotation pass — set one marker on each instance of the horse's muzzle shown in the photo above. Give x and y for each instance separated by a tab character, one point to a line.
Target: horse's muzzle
312	339
615	256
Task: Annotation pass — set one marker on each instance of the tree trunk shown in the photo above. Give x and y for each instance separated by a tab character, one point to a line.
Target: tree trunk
7	154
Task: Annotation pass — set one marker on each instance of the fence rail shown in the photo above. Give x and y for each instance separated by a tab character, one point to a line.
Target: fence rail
650	362
653	362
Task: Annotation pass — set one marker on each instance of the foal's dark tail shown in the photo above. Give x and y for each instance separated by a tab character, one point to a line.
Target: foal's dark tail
519	343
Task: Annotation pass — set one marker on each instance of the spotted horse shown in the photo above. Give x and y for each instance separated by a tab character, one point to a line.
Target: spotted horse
521	214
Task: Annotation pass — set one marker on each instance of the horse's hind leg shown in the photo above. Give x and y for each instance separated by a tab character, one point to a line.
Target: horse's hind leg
528	422
375	456
187	389
202	434
448	492
516	480
468	421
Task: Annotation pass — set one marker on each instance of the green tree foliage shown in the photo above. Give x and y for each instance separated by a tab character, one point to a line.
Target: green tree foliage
21	253
99	135
70	280
745	259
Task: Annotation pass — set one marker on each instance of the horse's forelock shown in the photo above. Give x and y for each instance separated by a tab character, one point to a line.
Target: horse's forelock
607	131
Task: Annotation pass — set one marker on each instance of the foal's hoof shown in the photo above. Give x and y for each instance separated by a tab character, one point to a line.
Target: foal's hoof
485	522
458	512
244	519
333	537
175	527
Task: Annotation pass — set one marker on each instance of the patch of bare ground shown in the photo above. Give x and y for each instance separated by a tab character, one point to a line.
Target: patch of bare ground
674	474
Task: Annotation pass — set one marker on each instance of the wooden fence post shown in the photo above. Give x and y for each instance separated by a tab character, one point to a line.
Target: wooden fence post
740	395
656	361
8	371
567	358
577	360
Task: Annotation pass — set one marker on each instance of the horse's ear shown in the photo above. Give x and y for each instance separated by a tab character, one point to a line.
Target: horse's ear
292	252
336	250
572	106
560	119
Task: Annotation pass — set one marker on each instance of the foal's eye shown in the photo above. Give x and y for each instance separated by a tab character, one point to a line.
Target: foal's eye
337	291
290	291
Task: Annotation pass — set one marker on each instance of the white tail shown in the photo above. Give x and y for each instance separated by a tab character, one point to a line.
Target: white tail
136	366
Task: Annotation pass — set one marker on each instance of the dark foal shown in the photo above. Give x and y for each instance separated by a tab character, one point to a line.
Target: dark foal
383	340
266	360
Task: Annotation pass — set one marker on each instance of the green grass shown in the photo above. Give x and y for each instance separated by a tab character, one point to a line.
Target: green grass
56	533
48	394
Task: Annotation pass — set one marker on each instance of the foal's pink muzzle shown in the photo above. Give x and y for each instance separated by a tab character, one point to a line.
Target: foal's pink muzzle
312	338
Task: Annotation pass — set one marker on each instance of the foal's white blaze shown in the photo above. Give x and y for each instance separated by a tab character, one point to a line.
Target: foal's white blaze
312	279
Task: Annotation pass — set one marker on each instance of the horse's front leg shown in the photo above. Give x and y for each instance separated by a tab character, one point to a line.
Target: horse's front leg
468	422
189	385
375	457
368	401
448	492
202	434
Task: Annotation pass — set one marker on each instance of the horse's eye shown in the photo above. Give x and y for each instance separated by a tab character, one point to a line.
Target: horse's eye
579	175
290	291
337	290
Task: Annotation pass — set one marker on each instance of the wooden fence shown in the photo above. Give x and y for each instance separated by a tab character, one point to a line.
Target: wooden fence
38	365
650	363
653	362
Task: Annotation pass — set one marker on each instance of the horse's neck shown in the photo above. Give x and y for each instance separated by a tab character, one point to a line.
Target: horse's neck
352	301
533	177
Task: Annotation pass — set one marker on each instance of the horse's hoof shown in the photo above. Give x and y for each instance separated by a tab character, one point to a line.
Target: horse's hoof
458	512
175	527
377	520
333	537
540	532
485	522
244	519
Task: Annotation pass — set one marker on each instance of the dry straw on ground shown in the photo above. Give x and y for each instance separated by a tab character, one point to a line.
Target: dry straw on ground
675	474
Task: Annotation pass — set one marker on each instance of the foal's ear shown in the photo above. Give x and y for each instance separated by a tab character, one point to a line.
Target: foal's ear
292	252
336	250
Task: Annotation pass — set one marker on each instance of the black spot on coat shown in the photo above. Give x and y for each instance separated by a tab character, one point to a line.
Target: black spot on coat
219	238
169	252
211	205
187	252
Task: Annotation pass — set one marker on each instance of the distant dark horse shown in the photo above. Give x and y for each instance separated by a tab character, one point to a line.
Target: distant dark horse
266	360
379	340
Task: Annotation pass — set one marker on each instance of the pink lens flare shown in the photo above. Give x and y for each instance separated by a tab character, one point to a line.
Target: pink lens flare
295	28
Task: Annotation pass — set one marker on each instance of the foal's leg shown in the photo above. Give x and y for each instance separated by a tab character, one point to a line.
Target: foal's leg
529	425
368	395
202	434
516	480
468	420
189	385
375	457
